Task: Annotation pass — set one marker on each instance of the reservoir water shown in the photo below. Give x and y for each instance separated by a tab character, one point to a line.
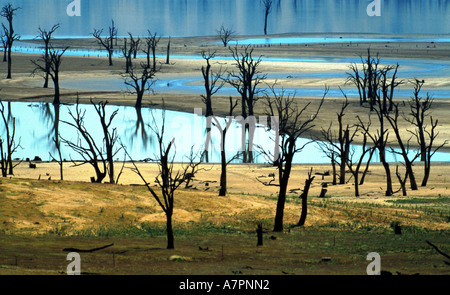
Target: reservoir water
246	17
37	124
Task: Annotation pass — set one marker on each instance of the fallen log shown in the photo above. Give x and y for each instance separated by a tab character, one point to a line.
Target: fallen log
440	252
87	251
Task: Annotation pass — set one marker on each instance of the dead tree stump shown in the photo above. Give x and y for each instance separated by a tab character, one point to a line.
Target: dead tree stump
259	233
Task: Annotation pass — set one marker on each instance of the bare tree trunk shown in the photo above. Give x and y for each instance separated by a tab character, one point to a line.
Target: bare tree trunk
223	174
402	181
56	99
304	198
363	177
168	53
426	172
110	53
387	170
140	96
169	231
46	78
259	232
279	216
333	165
356	176
154	58
9	62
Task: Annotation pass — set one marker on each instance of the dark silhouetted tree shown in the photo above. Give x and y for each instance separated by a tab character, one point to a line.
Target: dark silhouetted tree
336	146
425	134
223	153
140	81
293	123
246	80
377	84
46	36
169	179
168	53
51	65
304	198
107	42
213	82
355	161
9	125
151	42
9	12
225	35
98	153
392	118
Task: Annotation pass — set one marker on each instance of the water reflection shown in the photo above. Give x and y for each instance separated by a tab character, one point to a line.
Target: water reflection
38	124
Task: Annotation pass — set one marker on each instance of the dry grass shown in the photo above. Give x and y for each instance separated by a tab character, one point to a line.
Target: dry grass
40	218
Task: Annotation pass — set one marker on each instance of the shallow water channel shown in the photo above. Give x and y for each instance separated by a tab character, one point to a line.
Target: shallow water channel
38	123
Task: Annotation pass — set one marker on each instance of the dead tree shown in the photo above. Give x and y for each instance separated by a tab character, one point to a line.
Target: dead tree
304	198
60	160
46	36
127	51
223	155
419	109
425	137
267	10
402	181
392	118
337	145
432	134
292	124
51	65
169	179
225	35
213	83
355	166
140	81
365	79
107	42
193	166
168	53
110	136
379	139
136	43
91	151
151	42
246	81
9	125
375	84
259	234
9	12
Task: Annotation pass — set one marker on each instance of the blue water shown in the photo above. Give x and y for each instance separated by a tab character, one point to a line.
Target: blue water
204	17
35	125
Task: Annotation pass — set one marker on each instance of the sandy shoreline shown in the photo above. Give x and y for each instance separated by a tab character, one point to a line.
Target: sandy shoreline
24	87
